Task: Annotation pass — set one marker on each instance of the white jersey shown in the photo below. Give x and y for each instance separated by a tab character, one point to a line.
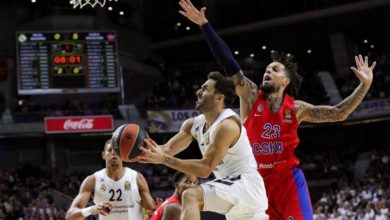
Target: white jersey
123	194
238	159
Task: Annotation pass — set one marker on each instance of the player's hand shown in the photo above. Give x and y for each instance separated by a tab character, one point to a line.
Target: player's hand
362	71
151	153
102	208
192	13
149	213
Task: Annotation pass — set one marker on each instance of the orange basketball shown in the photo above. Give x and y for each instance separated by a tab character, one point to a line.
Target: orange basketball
127	140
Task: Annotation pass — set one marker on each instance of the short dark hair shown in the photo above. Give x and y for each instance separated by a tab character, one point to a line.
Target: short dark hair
224	86
177	177
292	72
107	143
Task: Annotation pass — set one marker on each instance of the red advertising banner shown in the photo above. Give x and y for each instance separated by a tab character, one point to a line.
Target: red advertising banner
79	124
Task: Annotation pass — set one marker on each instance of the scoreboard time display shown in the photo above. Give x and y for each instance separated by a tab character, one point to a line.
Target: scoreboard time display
67	62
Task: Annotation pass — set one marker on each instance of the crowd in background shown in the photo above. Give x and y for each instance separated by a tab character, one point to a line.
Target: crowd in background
28	110
328	164
177	88
366	198
380	87
26	193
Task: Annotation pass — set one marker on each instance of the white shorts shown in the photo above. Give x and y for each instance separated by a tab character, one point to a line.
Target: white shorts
238	198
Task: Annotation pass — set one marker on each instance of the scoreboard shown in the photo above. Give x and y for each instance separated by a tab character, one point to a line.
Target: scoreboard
67	62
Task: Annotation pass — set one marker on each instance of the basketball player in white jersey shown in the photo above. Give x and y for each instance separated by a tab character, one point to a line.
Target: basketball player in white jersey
238	191
119	193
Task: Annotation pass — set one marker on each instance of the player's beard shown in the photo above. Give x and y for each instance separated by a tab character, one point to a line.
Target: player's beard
204	104
269	89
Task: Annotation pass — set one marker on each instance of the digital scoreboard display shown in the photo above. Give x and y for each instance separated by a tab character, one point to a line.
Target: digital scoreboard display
67	62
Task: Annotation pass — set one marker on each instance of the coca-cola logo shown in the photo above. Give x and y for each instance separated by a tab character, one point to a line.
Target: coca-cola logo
81	124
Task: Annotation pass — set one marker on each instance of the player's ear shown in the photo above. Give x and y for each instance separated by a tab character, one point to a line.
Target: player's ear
103	155
220	97
286	81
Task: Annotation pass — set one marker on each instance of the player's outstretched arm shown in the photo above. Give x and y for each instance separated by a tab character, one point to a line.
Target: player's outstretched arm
77	209
224	136
143	188
181	140
245	88
339	112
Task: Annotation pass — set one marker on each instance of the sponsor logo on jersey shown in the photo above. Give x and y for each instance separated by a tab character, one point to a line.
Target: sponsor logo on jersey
127	185
269	165
103	187
102	180
287	115
290	218
206	139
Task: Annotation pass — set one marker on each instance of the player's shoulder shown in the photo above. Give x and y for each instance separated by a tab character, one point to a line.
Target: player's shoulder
172	207
229	124
189	123
89	183
99	174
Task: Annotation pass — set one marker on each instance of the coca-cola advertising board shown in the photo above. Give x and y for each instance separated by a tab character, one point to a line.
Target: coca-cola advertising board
79	124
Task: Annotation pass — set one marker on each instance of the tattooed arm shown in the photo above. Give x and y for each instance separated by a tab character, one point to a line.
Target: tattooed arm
323	113
339	112
246	91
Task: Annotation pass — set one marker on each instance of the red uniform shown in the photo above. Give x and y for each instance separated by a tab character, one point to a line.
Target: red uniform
160	211
274	137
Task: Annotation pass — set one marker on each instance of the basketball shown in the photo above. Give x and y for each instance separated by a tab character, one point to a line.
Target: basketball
127	140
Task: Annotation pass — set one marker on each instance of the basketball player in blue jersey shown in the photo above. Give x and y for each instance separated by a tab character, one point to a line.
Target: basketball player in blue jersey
238	192
119	193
